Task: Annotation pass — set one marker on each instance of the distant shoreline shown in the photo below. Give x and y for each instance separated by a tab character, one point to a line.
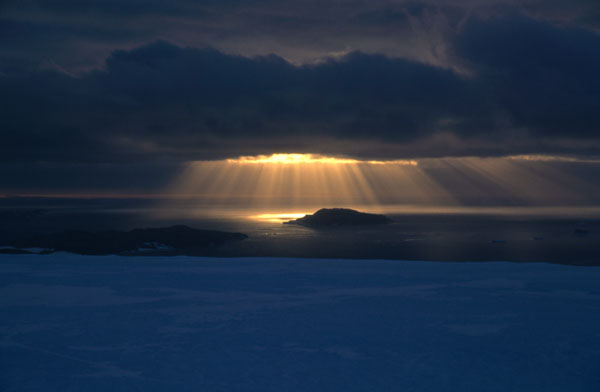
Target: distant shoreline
569	240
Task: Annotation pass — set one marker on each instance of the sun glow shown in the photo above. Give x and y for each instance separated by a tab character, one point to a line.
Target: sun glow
288	159
279	217
262	185
293	182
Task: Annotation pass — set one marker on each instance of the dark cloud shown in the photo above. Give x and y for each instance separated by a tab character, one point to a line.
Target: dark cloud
162	100
79	35
545	77
130	83
528	87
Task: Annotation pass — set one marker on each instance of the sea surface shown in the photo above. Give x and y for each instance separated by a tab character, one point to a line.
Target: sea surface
499	233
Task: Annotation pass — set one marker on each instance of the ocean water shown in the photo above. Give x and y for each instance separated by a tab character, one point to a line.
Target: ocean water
551	234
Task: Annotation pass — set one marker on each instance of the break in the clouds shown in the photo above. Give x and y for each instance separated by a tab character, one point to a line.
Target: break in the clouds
517	85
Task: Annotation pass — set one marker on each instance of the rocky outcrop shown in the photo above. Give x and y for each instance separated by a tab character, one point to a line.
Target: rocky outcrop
332	217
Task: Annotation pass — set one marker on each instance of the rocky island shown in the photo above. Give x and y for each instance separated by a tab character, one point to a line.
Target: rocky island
333	217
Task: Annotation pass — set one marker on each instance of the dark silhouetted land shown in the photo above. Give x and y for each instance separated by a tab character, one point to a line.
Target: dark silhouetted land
506	235
173	240
328	217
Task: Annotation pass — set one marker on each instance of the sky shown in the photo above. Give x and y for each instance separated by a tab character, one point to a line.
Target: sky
107	95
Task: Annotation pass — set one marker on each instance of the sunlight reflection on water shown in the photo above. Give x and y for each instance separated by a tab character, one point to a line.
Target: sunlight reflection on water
279	217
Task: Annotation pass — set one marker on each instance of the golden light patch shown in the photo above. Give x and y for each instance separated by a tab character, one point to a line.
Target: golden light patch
293	181
279	217
294	159
306	182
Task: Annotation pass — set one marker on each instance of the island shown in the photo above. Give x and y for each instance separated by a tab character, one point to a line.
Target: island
334	217
174	240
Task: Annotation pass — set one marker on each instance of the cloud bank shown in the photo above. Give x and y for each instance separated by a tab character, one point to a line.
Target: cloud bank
129	82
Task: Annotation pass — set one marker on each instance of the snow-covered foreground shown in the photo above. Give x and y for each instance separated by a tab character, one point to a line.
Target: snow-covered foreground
75	323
